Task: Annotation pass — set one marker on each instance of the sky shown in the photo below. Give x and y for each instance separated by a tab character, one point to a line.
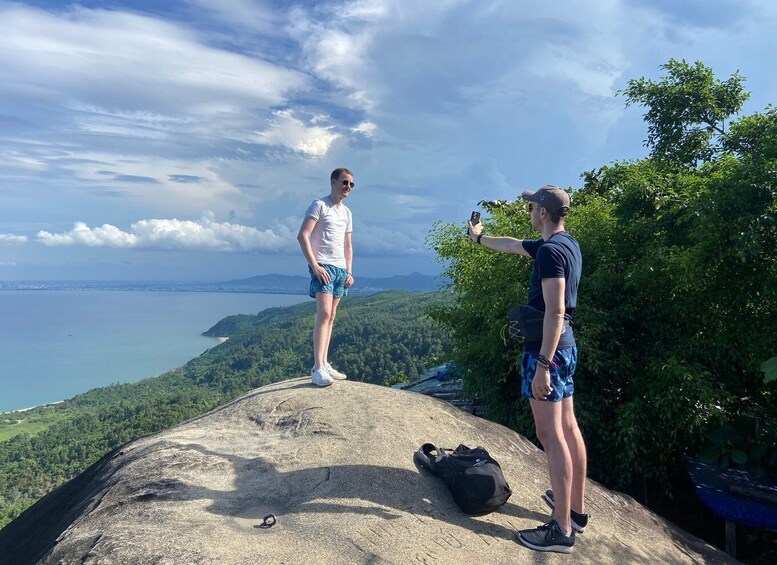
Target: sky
150	141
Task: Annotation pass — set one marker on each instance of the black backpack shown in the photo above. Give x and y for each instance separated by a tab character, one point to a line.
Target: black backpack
474	478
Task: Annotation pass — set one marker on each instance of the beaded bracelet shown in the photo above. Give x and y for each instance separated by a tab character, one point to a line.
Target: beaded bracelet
545	362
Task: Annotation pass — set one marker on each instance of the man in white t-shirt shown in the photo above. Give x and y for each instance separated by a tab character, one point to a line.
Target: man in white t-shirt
325	239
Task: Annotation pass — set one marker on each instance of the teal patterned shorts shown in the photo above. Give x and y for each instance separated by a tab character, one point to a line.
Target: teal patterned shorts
561	381
336	286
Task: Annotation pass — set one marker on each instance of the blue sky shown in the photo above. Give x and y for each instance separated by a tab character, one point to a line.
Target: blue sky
184	142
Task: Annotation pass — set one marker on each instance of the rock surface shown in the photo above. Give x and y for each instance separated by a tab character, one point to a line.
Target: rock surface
335	467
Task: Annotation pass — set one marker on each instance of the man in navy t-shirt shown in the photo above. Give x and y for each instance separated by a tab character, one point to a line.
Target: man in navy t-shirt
548	366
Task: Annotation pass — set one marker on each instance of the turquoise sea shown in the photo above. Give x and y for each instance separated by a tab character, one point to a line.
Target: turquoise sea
56	344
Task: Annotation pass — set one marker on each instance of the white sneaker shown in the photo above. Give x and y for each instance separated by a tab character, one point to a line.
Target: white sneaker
334	373
321	377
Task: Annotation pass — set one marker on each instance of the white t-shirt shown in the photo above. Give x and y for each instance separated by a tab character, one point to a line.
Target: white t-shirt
328	237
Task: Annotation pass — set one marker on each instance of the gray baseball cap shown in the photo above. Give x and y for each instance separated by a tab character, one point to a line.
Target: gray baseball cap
551	197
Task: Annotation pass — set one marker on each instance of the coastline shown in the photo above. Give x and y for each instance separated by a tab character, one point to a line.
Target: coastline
72	342
221	340
33	407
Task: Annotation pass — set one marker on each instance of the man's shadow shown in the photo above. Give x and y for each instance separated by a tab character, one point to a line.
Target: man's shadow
260	489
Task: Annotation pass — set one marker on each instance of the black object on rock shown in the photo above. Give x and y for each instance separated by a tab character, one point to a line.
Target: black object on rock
474	478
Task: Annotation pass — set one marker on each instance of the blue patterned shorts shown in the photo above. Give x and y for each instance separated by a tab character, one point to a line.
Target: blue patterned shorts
336	286
560	376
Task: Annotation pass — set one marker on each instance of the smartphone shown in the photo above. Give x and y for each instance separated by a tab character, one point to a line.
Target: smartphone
475	218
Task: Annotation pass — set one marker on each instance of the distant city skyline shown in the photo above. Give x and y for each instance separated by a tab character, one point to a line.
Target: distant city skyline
184	140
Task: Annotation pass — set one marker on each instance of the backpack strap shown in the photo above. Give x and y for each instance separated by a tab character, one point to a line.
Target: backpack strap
462	449
428	457
424	457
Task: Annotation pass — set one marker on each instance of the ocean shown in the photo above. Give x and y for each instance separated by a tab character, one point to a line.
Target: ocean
55	344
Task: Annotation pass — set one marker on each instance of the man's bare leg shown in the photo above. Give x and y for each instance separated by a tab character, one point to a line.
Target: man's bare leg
329	327
322	329
547	420
577	453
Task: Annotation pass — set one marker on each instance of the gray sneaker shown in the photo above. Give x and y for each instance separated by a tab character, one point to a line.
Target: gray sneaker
579	521
547	537
334	373
321	377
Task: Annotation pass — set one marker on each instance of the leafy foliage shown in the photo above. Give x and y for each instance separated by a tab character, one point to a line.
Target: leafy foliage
770	370
678	299
686	109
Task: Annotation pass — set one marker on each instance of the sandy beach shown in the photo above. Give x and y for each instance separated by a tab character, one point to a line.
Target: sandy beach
33	407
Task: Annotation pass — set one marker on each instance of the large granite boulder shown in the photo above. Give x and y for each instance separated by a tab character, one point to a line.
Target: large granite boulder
335	467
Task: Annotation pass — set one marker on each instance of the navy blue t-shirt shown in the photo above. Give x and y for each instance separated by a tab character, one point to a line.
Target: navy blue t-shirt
558	257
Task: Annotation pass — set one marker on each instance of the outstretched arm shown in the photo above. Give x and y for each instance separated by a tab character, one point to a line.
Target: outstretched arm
503	244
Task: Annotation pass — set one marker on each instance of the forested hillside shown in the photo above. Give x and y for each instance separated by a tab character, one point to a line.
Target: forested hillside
376	338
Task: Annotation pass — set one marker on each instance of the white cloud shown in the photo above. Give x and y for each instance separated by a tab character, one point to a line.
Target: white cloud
591	72
135	124
375	240
118	59
10	239
367	10
204	234
81	234
113	115
415	203
288	131
365	128
337	52
149	181
250	15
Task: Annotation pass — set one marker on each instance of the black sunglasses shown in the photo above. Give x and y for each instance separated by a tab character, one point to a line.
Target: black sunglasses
347	183
531	206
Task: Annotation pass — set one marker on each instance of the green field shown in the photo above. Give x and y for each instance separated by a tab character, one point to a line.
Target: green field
31	422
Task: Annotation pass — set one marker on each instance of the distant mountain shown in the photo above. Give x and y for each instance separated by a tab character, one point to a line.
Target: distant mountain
268	284
414	282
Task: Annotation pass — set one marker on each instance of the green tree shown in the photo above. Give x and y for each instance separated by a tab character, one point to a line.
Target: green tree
686	110
678	299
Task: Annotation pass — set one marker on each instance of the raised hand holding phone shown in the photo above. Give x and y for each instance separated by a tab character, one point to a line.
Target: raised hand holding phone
474	220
